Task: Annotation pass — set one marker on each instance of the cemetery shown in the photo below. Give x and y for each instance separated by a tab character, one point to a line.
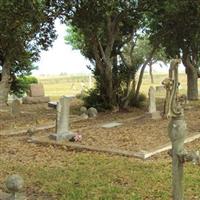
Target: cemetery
128	130
36	135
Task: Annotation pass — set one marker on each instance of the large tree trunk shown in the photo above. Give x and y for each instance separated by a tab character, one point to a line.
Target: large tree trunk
192	83
109	86
192	78
151	72
5	83
105	71
136	96
130	92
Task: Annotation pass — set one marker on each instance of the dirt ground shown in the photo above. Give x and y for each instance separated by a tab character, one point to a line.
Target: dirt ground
137	132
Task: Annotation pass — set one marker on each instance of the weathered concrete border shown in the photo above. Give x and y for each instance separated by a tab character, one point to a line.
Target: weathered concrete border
24	131
141	155
44	127
80	147
167	146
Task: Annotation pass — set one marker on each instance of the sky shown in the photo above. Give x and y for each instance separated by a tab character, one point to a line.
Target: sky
61	58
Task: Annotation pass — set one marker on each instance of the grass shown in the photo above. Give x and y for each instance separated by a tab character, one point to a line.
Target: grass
101	177
56	86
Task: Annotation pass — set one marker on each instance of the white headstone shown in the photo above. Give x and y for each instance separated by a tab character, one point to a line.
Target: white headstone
152	100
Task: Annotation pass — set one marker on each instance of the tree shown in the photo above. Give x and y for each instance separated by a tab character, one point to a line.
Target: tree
28	27
176	24
20	85
98	33
138	53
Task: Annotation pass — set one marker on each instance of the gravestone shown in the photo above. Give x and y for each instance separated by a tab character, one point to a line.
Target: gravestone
35	95
36	90
83	109
152	100
92	112
111	125
15	107
152	104
84	116
62	120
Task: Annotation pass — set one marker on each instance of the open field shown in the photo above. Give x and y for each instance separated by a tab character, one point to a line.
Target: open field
56	86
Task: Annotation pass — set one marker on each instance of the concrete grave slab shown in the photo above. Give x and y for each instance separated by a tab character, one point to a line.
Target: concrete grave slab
143	154
111	125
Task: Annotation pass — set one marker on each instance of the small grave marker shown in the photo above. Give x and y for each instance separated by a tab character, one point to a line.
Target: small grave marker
111	125
14	185
15	107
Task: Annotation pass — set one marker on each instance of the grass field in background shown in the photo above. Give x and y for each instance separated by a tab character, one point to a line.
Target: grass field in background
56	86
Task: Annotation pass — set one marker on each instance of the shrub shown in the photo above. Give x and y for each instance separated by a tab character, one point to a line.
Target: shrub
20	85
140	101
92	98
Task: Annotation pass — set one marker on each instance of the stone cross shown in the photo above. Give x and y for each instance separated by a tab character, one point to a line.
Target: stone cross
177	133
152	99
62	120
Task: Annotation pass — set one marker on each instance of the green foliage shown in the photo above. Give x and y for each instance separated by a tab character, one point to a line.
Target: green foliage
176	25
93	98
98	34
21	85
28	28
141	101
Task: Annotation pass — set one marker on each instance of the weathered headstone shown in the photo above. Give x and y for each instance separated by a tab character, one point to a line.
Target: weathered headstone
15	107
36	90
35	95
83	109
152	99
14	184
92	112
62	121
152	104
84	116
